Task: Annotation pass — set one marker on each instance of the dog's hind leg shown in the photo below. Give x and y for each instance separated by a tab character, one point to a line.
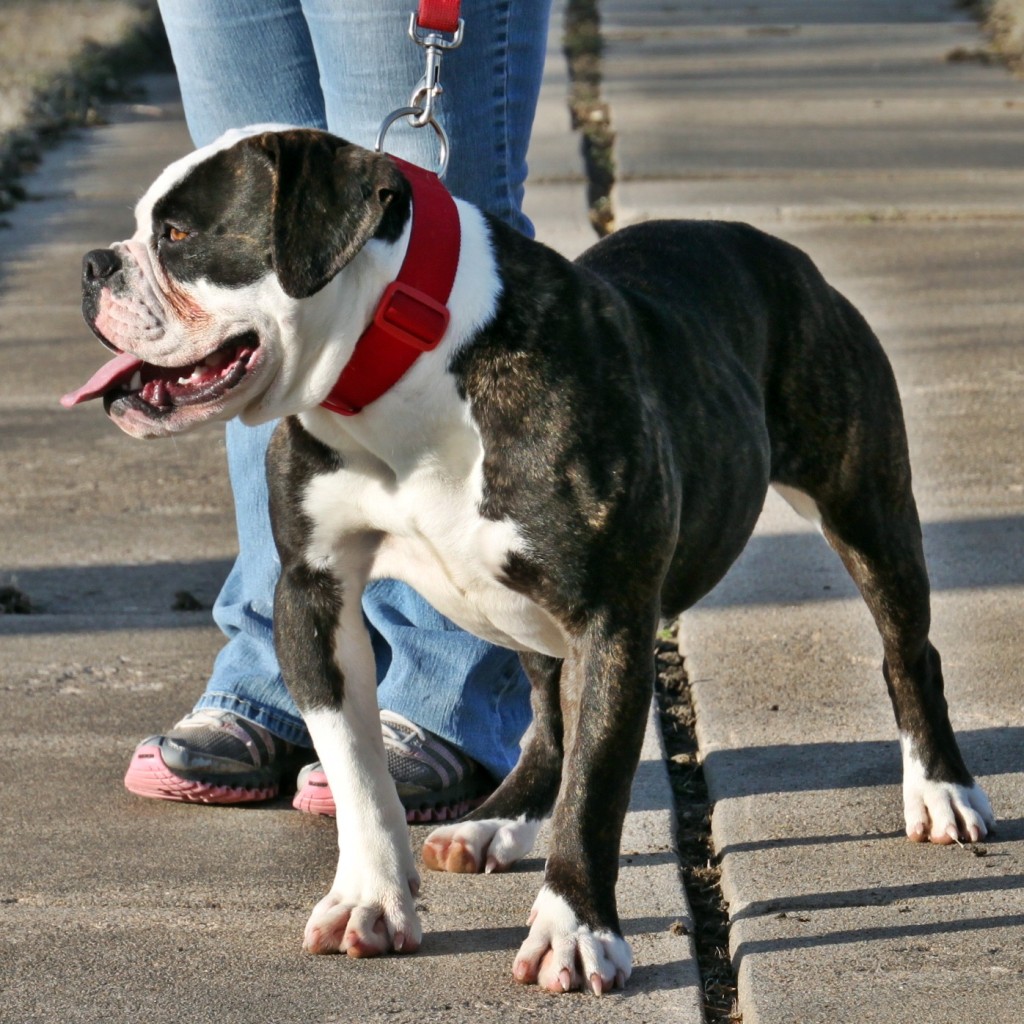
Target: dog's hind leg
855	482
881	548
502	830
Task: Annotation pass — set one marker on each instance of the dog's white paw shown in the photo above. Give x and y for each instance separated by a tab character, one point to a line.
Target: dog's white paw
469	847
561	954
943	812
361	925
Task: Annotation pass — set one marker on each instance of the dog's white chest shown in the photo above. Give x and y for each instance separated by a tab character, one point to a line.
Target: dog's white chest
426	530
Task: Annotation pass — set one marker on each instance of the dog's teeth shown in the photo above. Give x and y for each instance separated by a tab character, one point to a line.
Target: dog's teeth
136	382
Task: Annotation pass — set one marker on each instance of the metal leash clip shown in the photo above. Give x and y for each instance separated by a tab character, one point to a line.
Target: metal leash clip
420	111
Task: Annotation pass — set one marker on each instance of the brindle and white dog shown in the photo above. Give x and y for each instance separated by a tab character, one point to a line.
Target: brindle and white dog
585	452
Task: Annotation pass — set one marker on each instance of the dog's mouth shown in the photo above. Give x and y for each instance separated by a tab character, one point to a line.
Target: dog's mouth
129	382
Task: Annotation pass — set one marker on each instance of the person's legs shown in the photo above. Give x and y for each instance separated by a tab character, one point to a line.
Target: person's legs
240	744
487	710
225	84
477	696
242	62
491	84
500	65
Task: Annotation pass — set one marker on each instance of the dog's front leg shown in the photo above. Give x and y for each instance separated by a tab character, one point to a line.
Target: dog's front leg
327	660
575	940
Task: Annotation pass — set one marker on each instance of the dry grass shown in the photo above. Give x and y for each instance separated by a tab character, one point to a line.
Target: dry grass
698	861
59	59
1005	20
42	39
591	116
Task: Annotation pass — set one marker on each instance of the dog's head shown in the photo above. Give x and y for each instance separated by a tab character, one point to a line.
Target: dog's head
227	299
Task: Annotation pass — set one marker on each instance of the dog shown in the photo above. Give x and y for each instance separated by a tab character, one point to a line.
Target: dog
568	454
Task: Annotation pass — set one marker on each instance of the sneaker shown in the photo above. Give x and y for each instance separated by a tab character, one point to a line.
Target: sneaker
213	757
436	781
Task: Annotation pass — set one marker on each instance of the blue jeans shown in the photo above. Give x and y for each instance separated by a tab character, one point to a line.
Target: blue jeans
344	65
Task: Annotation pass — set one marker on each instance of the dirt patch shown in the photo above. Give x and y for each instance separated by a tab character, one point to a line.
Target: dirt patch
1003	21
591	116
186	601
15	602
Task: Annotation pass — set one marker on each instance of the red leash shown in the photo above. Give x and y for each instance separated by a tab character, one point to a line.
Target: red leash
437	28
439	15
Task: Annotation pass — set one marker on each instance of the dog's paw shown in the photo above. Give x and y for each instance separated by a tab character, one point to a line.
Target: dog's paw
353	924
944	813
561	954
494	844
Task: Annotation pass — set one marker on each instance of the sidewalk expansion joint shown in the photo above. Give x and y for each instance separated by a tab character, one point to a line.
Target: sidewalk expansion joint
697	857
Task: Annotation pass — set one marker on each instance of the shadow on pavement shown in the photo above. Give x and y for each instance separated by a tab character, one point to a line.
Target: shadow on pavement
961	554
812	767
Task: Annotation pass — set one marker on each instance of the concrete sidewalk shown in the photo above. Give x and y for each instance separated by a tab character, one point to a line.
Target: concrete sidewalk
843	127
117	909
837	124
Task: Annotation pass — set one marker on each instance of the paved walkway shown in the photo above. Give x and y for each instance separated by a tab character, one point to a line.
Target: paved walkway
843	127
118	909
837	124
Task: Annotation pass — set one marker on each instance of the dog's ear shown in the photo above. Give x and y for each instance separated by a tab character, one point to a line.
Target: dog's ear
330	198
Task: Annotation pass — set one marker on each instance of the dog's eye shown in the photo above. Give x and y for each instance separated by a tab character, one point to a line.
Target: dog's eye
175	234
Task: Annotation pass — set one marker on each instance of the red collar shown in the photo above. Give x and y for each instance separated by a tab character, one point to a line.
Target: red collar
411	317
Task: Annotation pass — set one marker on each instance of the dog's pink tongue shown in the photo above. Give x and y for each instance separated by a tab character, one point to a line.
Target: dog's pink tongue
118	369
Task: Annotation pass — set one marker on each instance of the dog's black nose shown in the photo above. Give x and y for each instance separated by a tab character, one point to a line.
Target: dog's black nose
99	264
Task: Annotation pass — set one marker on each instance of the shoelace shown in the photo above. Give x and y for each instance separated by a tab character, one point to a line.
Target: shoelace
228	721
449	764
396	728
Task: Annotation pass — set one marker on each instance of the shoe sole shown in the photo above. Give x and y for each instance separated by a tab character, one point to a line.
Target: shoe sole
315	797
150	777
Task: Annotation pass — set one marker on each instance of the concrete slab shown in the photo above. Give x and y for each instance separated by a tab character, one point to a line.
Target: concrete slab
660	15
197	912
556	190
801	760
817	104
116	908
772	198
844	128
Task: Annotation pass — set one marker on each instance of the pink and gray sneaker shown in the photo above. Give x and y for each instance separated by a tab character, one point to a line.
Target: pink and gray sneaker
214	757
435	781
217	757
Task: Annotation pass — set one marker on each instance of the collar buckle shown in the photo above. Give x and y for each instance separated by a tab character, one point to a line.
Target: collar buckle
335	403
411	317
